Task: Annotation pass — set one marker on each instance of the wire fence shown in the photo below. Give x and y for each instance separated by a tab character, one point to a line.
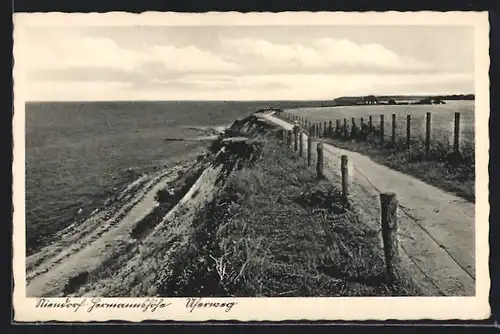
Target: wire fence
429	136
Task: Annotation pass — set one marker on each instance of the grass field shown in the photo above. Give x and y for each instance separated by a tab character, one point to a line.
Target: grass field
440	168
442	117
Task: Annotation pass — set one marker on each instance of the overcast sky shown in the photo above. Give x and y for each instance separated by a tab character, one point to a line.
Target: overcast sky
245	63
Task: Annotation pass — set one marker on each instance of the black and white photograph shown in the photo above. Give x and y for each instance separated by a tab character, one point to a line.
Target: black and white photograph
193	163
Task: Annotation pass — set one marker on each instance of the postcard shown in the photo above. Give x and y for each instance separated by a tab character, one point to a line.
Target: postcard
251	166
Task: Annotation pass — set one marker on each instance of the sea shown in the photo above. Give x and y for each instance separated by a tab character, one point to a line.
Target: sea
78	152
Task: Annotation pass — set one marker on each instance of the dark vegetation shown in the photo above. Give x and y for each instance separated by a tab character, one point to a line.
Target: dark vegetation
395	99
167	199
75	282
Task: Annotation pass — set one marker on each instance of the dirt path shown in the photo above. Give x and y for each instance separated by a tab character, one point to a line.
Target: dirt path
51	275
436	229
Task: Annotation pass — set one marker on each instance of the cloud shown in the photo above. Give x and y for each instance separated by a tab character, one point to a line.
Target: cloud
59	52
65	52
324	52
187	59
64	65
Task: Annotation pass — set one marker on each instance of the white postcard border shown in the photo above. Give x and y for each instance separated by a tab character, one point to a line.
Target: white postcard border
259	309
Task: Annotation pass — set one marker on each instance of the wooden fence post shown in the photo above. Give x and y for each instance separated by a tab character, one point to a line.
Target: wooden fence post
289	138
301	144
325	129
337	126
393	129
361	123
330	129
309	150
319	162
345	180
346	135
389	220
370	123
427	134
295	140
456	137
382	129
408	132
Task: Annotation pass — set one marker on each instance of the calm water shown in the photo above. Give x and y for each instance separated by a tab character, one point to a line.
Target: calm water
76	153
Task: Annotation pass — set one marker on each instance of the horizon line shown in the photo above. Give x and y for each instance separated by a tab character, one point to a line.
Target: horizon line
258	100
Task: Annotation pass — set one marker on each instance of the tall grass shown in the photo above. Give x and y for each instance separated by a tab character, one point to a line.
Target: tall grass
276	231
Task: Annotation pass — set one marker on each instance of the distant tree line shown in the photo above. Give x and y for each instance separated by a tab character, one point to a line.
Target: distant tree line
395	100
456	97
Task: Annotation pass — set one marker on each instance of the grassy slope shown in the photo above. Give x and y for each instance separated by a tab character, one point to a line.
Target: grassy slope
276	231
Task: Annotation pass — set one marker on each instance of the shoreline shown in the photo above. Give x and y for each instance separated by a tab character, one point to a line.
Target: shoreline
107	195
